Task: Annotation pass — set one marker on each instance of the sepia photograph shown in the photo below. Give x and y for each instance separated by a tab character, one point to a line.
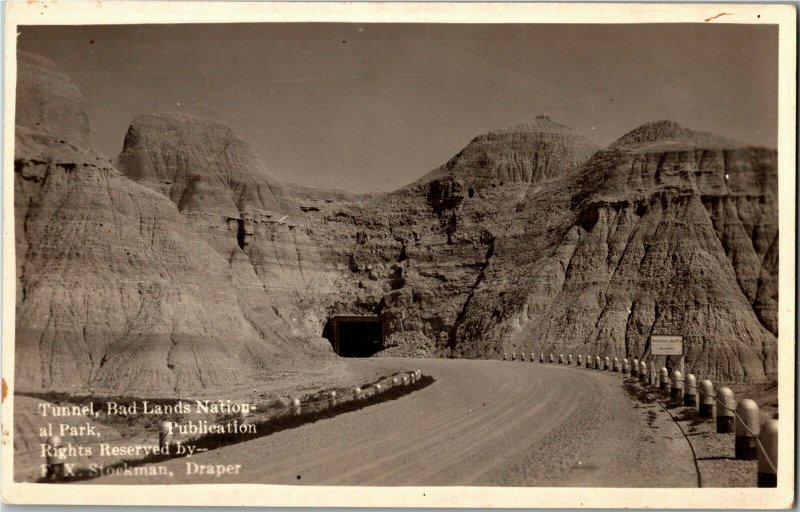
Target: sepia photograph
399	256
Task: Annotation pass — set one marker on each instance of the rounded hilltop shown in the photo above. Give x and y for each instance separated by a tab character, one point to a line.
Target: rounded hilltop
657	134
180	119
48	102
532	152
201	164
176	126
540	124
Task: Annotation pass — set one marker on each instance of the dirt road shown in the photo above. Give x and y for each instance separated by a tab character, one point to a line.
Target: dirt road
480	423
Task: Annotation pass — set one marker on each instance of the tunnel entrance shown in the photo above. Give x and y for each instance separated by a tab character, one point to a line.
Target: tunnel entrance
355	336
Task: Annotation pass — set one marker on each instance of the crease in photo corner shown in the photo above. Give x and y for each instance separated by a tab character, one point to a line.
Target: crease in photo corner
551	496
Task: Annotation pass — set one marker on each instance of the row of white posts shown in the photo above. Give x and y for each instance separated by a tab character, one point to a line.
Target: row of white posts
754	439
56	458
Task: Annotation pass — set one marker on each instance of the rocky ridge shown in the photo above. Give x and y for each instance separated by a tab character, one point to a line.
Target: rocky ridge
648	237
114	291
529	239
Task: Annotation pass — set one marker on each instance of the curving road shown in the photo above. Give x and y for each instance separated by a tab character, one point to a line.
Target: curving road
481	423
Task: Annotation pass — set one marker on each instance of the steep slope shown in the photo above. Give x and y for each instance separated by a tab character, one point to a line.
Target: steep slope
411	256
418	252
114	292
231	201
485	183
667	231
202	166
194	268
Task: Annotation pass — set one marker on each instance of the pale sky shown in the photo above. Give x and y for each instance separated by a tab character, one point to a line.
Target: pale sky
368	107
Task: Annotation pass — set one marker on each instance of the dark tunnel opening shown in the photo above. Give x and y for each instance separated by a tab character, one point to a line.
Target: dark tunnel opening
355	336
240	233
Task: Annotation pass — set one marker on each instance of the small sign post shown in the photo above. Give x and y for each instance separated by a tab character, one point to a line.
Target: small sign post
667	345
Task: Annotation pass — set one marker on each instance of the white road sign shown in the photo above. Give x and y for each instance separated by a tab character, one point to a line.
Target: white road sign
666	345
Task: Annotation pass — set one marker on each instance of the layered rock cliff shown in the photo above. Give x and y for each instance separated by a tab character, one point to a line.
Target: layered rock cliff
195	268
421	251
666	232
250	218
114	291
412	256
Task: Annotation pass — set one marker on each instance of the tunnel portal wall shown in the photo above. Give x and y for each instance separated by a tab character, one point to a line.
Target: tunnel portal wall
355	336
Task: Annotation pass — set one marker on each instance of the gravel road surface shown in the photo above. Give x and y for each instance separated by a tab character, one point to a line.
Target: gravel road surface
481	423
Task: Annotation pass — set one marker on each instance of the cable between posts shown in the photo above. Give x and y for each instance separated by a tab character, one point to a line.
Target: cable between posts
741	421
752	434
691	446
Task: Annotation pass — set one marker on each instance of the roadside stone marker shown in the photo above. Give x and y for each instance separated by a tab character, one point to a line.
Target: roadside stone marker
663	379
244	413
748	425
767	475
676	388
57	457
690	393
725	410
706	399
164	434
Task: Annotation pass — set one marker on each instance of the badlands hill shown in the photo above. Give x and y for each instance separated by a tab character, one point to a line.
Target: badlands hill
528	153
114	291
186	264
667	231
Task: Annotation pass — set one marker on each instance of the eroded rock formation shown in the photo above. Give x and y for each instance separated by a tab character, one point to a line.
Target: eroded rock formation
194	268
665	232
114	291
